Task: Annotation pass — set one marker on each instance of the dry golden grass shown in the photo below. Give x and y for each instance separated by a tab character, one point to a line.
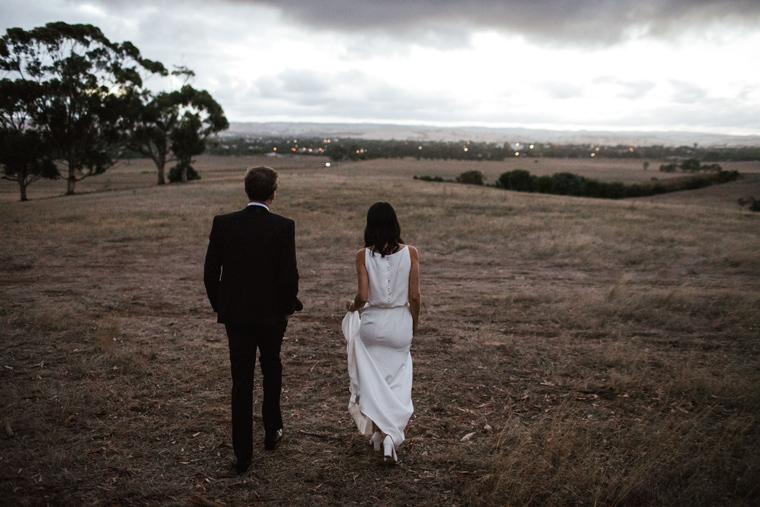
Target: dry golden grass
602	352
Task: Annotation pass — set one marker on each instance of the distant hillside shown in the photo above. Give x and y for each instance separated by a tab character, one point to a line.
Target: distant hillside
482	134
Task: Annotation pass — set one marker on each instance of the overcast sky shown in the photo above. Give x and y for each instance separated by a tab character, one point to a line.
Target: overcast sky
688	65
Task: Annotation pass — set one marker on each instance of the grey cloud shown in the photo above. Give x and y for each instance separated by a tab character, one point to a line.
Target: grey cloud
635	90
303	82
581	22
398	42
687	93
380	101
709	115
306	94
446	23
562	90
632	90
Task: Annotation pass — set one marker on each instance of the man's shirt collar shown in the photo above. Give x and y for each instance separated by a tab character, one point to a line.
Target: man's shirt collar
259	204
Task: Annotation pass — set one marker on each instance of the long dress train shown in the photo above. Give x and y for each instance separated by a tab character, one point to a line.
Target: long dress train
378	341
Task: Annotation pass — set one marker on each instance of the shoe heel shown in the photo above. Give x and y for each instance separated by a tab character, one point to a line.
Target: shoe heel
389	450
376	441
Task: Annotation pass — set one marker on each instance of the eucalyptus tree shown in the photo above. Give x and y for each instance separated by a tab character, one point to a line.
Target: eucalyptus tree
175	125
24	154
87	88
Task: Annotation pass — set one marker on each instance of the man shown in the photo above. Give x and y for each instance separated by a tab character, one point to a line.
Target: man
251	280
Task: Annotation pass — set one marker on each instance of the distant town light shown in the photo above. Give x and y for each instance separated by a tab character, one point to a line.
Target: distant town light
327	164
531	146
597	148
517	154
465	148
419	147
274	149
630	149
292	149
593	154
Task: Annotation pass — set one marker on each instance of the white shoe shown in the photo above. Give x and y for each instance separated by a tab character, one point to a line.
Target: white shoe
389	450
376	441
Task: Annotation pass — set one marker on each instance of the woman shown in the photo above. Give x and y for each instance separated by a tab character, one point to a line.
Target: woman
379	362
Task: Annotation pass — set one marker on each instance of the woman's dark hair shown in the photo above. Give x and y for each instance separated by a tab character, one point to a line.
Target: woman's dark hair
383	232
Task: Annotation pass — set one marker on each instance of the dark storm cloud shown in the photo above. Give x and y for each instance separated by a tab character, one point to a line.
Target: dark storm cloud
575	21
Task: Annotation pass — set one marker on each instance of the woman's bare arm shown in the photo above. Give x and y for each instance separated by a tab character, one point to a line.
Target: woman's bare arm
415	298
362	278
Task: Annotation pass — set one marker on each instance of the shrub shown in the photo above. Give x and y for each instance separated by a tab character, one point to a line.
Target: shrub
616	190
668	168
636	190
520	180
471	178
595	188
175	174
428	178
568	184
690	165
572	184
754	204
542	184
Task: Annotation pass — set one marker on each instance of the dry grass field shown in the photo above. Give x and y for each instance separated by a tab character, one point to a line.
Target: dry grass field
571	351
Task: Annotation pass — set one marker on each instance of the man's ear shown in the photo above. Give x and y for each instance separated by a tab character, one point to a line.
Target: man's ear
271	197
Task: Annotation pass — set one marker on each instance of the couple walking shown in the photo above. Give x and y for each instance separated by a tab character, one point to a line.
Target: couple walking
251	279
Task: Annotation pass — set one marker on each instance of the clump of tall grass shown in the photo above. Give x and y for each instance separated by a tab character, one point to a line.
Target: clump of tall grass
671	458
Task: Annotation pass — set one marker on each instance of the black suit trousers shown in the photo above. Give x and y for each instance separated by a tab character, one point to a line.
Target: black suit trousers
244	340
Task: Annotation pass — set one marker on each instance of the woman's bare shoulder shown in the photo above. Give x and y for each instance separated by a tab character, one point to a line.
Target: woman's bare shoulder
413	253
360	255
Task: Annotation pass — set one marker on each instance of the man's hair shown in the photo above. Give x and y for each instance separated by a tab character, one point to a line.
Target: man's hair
260	183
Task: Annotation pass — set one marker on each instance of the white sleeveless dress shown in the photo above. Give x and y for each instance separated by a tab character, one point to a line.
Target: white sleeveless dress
379	362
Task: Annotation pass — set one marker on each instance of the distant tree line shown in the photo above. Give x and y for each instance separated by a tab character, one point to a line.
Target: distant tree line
690	165
565	183
361	149
70	96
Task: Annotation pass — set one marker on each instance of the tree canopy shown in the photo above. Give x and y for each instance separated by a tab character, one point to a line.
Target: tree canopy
84	86
174	126
71	95
25	155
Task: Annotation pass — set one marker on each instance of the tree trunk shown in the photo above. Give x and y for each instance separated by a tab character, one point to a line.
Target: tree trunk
161	175
184	174
71	182
22	188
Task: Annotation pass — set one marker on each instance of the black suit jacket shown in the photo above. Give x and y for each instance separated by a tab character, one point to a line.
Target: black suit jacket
250	271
